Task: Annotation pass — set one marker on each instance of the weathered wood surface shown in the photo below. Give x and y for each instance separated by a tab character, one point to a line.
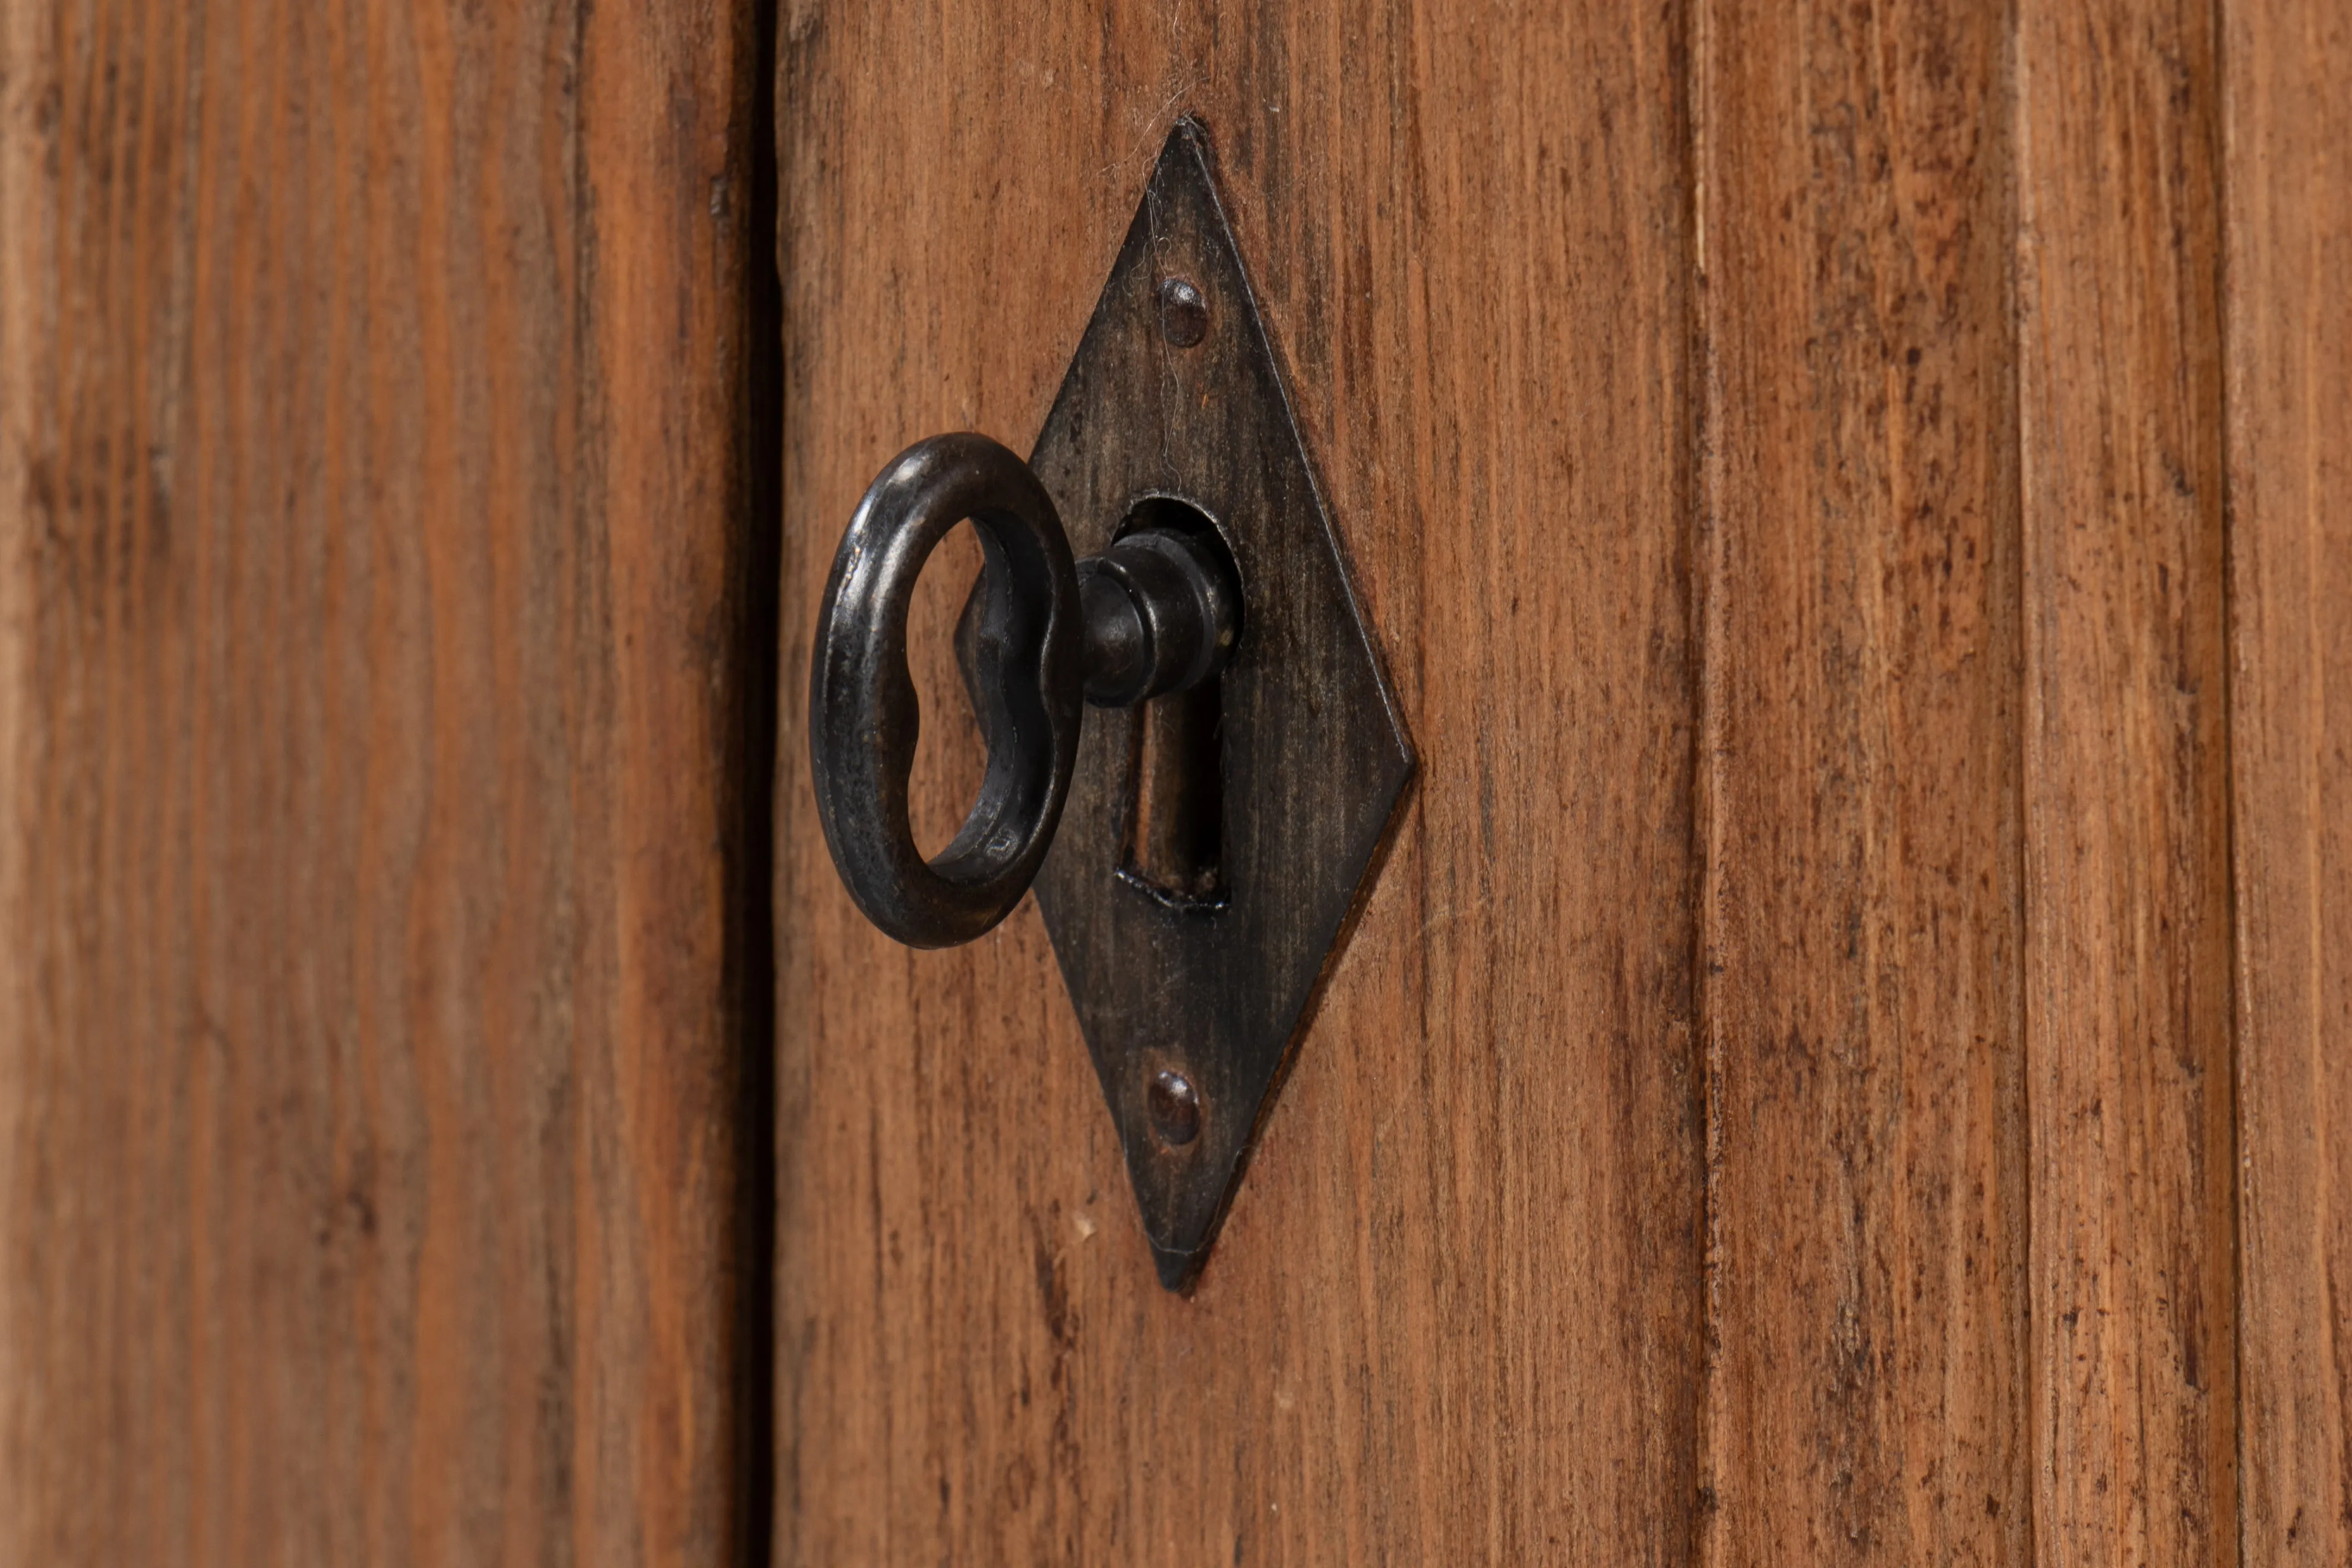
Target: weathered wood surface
1851	498
1863	915
379	684
2125	783
1957	894
1455	1315
1934	1003
2287	121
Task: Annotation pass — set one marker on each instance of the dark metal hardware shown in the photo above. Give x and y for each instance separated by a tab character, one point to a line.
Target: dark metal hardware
1198	846
1163	613
864	714
1159	613
1175	1108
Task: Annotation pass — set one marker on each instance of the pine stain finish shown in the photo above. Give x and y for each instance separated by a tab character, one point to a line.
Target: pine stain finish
382	687
1907	432
1845	1059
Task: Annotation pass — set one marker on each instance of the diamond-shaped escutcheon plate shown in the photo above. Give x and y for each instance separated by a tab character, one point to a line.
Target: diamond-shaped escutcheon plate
1213	844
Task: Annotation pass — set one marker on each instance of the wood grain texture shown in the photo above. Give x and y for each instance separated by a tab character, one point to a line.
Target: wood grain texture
1454	1315
374	535
2287	121
1864	919
2125	783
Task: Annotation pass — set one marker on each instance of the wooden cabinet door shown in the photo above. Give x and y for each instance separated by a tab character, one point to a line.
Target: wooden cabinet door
385	707
1845	1058
1842	1061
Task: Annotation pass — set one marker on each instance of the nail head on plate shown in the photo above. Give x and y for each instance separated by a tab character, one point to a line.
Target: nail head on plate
1175	1108
1183	313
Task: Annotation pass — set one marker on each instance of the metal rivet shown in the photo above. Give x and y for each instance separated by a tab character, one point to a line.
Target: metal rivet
1183	314
1175	1108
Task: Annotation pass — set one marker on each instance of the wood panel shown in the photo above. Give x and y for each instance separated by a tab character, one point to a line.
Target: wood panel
2287	119
1454	1314
2128	959
383	919
1864	918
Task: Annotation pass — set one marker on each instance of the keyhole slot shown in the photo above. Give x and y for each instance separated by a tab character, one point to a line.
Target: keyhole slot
1173	813
1176	798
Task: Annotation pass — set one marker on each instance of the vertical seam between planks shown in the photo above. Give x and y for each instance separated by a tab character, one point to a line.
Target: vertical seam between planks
760	650
1705	594
2217	139
589	490
2023	1408
2028	1410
